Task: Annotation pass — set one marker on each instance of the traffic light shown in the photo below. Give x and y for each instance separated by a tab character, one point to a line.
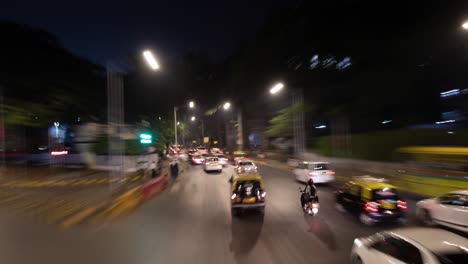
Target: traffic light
146	138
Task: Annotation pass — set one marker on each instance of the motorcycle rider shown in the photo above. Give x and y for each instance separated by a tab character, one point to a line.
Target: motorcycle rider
309	193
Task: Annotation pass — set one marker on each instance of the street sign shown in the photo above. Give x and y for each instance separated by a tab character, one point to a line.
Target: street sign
146	138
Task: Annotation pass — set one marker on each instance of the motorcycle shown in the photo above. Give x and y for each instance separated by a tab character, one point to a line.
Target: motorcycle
311	207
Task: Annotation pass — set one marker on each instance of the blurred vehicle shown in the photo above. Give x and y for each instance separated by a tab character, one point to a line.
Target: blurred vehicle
197	159
236	155
246	166
247	192
318	171
212	164
449	210
309	199
192	152
202	150
372	200
411	245
216	151
222	159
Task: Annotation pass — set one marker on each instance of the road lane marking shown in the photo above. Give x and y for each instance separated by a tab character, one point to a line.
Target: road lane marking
75	219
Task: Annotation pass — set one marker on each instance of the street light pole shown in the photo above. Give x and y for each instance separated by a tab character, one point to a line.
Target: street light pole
175	124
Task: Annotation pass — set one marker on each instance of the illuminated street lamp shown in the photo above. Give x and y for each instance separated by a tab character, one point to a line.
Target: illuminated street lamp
465	25
191	104
226	106
151	60
276	88
193	118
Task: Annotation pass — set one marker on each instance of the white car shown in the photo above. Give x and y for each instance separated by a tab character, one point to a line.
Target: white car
246	166
411	245
449	210
318	171
222	159
213	164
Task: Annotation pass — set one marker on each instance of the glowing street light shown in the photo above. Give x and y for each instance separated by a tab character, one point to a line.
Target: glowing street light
275	89
191	104
465	25
193	118
148	55
178	123
226	106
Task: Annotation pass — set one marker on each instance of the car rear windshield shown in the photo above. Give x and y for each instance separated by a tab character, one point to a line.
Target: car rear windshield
453	258
384	193
246	163
248	186
321	166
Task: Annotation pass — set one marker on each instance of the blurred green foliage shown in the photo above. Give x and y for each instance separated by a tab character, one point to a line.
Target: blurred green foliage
381	145
282	123
132	147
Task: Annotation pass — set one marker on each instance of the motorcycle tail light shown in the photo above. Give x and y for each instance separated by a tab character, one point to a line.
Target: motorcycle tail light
402	205
371	207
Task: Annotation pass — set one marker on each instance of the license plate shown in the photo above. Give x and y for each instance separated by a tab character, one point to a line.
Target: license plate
249	200
387	205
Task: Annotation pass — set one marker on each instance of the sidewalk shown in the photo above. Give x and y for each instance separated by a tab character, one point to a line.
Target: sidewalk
76	198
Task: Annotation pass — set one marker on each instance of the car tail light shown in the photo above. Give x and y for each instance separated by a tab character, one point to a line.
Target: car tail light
59	153
371	207
233	196
263	195
331	172
402	205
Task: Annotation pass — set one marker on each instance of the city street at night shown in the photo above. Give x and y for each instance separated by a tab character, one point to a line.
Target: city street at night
234	132
191	222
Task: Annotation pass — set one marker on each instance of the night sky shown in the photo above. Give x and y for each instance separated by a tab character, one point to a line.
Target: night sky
104	30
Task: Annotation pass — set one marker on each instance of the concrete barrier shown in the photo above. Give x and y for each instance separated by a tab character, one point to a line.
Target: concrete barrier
153	187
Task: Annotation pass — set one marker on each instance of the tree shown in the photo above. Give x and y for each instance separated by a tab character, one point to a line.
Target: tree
42	81
282	123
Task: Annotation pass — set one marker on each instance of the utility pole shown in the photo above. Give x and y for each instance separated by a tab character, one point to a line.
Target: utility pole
298	122
115	120
2	130
240	135
175	125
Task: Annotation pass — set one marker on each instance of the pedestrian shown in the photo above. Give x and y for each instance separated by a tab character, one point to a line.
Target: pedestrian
174	169
152	161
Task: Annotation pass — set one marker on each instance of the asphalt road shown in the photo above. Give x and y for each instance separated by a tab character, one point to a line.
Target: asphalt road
191	222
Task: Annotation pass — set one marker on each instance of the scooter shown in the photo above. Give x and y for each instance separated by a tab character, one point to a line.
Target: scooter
312	206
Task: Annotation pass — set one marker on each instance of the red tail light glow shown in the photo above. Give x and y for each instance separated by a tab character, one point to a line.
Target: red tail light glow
331	172
263	194
402	205
371	207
